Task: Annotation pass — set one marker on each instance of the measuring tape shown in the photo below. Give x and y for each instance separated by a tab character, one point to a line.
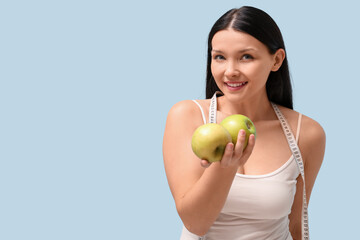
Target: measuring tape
213	108
297	155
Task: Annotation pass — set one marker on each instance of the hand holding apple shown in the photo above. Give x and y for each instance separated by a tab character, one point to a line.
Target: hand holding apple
209	141
234	123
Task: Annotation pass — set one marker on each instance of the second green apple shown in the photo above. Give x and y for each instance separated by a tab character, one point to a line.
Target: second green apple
234	123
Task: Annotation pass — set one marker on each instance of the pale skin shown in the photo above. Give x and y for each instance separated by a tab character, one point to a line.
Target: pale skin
199	188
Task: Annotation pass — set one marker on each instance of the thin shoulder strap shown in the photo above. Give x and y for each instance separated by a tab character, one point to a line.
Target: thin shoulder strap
298	128
297	155
213	108
202	111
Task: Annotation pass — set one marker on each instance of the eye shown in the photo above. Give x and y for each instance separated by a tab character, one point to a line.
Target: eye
247	57
218	57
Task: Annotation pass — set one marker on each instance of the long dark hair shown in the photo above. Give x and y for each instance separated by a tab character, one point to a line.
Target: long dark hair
260	25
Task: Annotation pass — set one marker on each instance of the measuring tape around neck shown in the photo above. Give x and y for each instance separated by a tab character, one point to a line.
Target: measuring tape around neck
213	108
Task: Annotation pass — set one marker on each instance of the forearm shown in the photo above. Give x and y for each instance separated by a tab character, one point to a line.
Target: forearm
201	205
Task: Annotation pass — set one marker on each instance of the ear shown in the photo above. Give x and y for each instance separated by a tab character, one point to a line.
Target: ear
279	57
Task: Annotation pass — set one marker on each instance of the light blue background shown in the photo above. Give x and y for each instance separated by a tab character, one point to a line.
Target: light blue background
85	90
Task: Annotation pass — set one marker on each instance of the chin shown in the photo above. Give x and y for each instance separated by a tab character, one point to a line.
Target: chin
234	98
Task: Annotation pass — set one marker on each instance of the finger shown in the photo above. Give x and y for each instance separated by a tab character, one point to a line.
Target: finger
249	148
228	153
240	143
205	163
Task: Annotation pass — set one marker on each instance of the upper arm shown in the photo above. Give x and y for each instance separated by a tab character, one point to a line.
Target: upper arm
313	150
312	146
182	167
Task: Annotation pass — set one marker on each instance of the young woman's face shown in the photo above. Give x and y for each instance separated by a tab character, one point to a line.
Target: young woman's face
240	64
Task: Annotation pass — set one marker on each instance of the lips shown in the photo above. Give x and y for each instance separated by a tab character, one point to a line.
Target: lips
234	86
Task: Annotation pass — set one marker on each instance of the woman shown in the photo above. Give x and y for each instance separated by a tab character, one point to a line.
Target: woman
259	192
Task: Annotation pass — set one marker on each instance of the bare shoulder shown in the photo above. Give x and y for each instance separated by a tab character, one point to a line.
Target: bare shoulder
188	111
184	110
312	136
310	129
180	107
312	141
314	132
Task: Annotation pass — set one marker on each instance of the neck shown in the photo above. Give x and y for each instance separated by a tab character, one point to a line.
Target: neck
256	109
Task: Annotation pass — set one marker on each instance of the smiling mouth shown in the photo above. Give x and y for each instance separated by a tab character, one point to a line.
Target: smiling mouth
235	85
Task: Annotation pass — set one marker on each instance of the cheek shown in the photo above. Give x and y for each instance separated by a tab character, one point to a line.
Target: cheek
216	71
257	72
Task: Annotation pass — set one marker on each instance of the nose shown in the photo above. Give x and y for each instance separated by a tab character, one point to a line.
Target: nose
232	70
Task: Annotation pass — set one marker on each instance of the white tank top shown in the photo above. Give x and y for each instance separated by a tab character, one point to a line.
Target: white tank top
257	206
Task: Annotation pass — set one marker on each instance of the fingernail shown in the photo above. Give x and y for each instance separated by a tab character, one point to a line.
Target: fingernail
242	132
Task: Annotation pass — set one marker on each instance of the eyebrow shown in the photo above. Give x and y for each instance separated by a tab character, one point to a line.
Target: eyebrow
241	51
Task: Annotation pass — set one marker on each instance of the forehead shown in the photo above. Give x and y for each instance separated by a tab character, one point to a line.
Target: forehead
229	39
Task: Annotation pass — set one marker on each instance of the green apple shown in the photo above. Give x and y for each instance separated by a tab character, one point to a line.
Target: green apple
209	141
234	123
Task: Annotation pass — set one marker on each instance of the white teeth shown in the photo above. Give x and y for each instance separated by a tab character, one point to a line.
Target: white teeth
235	84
